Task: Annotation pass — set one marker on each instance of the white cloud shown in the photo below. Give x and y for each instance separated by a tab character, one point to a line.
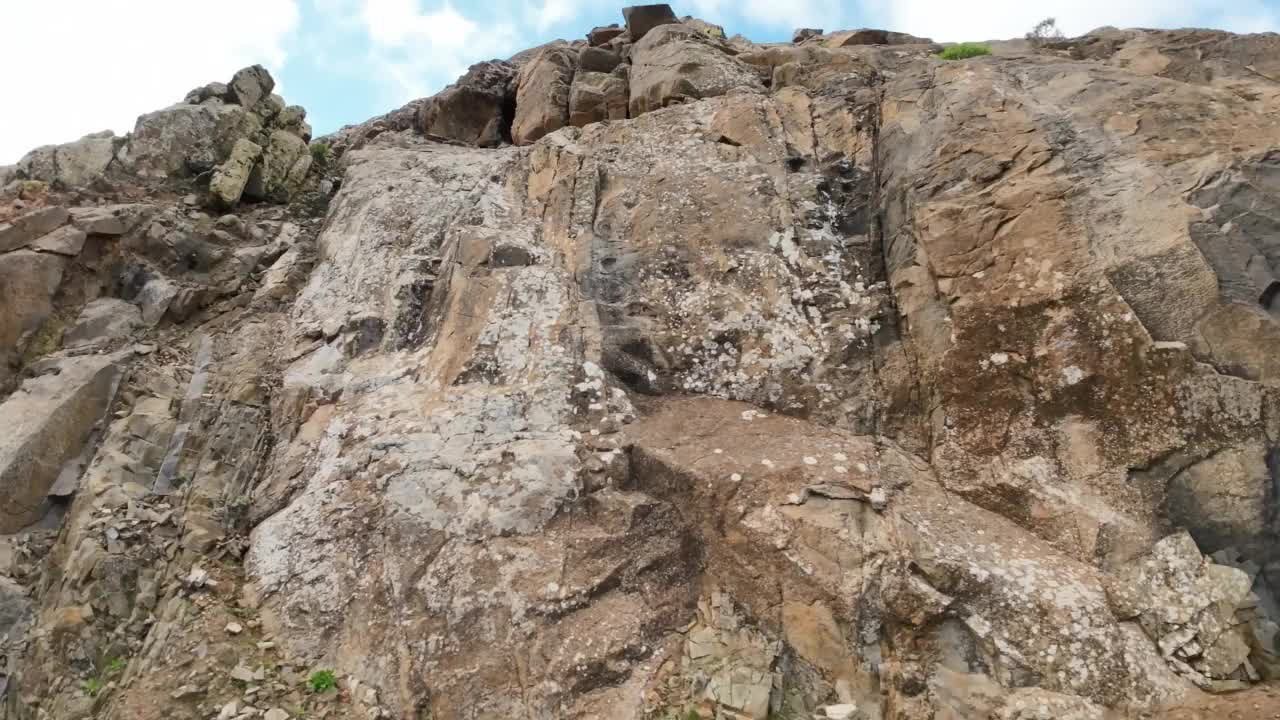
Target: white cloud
79	66
827	14
946	20
414	51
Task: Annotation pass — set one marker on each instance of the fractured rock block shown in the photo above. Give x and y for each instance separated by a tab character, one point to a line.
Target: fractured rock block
641	19
45	425
66	240
596	96
249	85
477	109
230	178
30	226
675	63
542	94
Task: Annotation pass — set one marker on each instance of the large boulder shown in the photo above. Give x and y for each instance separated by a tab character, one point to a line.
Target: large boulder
871	36
184	140
674	63
641	19
477	109
542	94
598	59
230	177
283	167
29	226
597	96
249	85
28	281
103	320
46	424
71	164
602	35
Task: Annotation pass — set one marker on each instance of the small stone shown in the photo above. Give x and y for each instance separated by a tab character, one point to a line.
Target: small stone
234	628
879	499
242	673
276	714
185	691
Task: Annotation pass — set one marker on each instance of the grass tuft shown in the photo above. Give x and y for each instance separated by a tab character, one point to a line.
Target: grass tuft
963	51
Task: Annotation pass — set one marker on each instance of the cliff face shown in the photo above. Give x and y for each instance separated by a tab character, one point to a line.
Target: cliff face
817	380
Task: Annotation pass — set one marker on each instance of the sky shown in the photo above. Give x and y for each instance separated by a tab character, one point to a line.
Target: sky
73	67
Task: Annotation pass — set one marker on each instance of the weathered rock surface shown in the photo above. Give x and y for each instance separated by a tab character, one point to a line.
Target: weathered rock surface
478	109
230	178
28	281
676	63
597	96
72	164
28	227
640	19
825	379
542	94
282	168
46	422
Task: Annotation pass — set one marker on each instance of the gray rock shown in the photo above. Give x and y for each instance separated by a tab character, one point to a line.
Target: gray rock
215	91
230	178
641	19
112	220
154	299
1224	500
282	168
183	140
66	240
72	164
103	320
294	119
46	423
249	85
802	34
26	228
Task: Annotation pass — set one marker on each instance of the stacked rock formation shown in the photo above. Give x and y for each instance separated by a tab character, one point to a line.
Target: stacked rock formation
662	374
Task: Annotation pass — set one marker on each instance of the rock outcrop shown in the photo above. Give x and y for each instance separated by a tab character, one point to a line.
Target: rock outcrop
211	131
662	375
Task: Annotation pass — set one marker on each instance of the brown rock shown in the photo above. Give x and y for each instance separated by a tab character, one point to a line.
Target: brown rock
598	59
542	95
802	34
595	97
640	19
477	109
602	35
867	36
675	63
28	281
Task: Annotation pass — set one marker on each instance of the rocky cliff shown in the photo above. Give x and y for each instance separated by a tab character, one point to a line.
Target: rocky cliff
659	375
